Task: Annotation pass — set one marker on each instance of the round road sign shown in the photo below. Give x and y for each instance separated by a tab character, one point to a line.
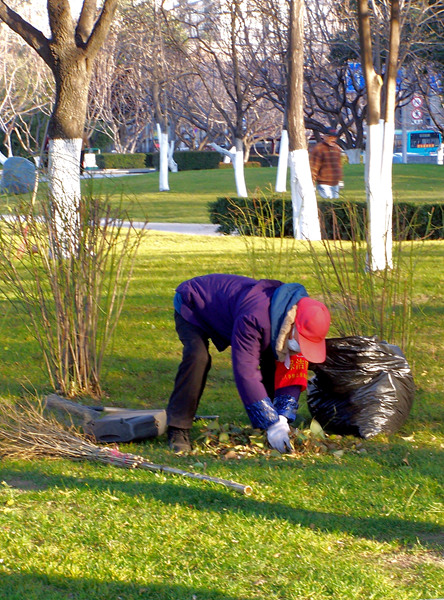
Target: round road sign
416	101
417	114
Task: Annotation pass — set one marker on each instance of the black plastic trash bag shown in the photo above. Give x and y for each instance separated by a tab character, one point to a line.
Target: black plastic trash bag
364	387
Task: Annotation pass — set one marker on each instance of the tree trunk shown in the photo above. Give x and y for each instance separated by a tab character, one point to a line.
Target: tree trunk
236	155
303	196
172	164
163	159
65	194
239	169
69	52
65	134
380	137
281	175
353	156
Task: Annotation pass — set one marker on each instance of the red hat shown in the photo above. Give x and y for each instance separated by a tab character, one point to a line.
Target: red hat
312	323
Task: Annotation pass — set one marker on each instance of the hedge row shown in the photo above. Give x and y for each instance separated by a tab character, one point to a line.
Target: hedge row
269	160
186	161
339	219
190	160
120	161
251	164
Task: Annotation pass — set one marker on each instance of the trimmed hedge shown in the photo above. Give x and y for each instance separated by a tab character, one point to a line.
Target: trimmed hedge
189	160
120	161
339	219
251	164
268	160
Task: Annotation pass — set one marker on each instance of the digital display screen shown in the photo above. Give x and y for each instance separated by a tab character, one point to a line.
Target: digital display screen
424	139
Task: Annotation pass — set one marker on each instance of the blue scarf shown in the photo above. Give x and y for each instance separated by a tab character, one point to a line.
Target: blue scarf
284	298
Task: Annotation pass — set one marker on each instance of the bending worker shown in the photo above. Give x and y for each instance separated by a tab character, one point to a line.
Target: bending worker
273	328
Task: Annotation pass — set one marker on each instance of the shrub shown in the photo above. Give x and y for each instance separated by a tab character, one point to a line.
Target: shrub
120	161
410	220
191	160
149	160
247	165
268	160
194	160
71	300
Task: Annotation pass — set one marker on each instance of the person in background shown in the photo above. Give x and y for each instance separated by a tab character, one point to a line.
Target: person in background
326	166
273	329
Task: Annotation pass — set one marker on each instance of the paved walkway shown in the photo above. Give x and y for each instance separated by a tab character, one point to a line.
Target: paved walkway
187	228
101	173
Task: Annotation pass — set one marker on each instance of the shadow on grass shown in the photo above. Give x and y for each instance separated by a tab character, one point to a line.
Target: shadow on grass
199	496
36	586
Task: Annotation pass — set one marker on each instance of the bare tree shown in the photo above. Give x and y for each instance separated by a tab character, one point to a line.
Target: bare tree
119	101
196	113
217	50
271	63
198	120
381	99
25	95
69	52
305	213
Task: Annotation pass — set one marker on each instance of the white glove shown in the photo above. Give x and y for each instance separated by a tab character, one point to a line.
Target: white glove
277	435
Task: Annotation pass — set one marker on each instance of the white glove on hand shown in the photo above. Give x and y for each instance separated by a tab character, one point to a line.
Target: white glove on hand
277	435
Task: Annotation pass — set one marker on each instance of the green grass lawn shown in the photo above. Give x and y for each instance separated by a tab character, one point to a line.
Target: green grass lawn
364	524
191	191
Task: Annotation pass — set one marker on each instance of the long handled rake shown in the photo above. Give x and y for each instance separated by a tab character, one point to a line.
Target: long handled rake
26	433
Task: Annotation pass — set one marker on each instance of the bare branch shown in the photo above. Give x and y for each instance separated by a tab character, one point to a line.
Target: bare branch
86	21
101	27
32	36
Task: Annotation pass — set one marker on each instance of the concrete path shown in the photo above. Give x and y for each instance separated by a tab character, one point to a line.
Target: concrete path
186	228
101	173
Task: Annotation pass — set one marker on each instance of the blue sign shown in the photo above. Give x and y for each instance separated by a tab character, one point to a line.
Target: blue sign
354	78
436	84
355	81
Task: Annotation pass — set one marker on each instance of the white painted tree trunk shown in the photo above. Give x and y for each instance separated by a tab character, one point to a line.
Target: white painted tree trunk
237	158
163	159
281	176
65	194
378	165
353	156
172	164
239	174
228	157
303	197
3	158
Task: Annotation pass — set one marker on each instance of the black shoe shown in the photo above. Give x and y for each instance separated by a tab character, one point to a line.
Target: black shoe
179	439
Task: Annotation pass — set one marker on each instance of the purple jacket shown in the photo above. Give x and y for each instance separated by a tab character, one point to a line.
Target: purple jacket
234	310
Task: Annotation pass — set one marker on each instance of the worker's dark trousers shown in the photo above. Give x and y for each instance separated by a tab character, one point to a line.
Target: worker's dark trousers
191	375
193	370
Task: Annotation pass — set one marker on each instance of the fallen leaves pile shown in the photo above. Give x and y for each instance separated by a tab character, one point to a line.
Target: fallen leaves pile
234	442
